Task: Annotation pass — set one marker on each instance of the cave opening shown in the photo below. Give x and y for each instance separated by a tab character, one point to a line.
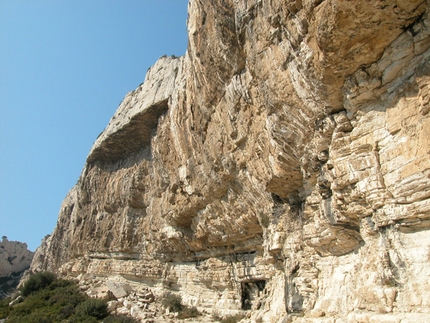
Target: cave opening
251	290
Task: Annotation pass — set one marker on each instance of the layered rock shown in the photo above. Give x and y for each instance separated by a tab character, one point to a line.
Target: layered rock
280	167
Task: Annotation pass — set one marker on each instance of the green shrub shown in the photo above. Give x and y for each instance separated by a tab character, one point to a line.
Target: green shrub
67	295
51	300
37	316
83	319
59	283
188	312
4	307
57	300
172	302
33	309
92	307
36	282
65	312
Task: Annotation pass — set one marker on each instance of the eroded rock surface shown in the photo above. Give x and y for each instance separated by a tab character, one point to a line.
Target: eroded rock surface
15	258
280	168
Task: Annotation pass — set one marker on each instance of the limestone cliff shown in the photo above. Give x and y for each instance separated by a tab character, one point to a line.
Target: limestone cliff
281	167
15	258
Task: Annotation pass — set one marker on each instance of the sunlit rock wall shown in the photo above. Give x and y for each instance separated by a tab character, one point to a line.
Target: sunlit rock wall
281	167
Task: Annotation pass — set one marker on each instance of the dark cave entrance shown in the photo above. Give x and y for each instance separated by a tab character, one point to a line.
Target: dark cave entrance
250	292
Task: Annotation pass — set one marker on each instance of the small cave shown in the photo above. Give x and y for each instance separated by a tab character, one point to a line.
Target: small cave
278	206
251	290
294	300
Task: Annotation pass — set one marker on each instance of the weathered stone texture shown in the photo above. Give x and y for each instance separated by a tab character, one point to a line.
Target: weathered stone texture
14	257
281	167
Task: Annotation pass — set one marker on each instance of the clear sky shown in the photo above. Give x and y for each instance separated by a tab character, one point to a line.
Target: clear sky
65	65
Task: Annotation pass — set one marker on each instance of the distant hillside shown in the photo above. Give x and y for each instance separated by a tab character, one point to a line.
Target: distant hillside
15	258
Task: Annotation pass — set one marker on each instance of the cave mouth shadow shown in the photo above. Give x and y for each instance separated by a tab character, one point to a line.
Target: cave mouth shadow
251	290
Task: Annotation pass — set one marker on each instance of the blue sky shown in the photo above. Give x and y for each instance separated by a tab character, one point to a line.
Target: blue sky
64	68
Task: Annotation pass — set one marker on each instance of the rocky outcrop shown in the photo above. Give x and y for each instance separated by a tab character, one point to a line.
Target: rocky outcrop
279	168
15	258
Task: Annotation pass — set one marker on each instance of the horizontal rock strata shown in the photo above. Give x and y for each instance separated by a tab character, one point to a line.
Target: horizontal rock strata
280	168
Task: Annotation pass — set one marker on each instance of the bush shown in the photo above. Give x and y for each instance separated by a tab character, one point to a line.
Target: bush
33	309
83	319
37	316
66	295
4	307
188	312
92	307
172	302
50	300
65	312
36	282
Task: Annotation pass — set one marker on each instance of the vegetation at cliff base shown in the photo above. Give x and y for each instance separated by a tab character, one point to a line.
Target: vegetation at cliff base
9	284
174	304
49	299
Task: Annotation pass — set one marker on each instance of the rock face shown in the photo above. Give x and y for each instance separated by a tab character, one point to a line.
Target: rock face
281	167
14	259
